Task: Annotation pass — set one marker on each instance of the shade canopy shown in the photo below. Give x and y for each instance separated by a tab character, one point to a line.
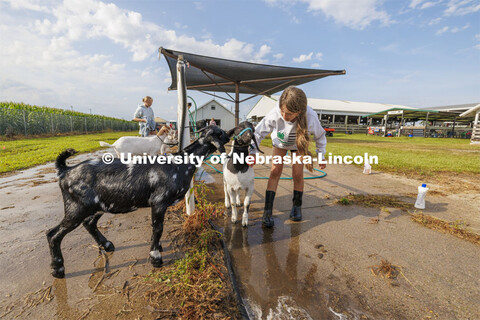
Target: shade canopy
221	75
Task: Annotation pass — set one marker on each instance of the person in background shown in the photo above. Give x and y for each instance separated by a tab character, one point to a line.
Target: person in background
144	116
291	122
212	122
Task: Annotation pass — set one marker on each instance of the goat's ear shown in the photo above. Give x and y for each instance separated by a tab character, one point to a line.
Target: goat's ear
230	132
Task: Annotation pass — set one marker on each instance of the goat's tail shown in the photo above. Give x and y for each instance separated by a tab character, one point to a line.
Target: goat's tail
104	144
60	163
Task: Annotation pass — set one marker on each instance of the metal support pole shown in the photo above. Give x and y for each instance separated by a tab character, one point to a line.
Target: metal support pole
237	103
426	125
385	125
453	127
400	127
182	124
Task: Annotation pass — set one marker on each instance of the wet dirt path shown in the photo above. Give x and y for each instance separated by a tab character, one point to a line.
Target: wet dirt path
321	268
30	204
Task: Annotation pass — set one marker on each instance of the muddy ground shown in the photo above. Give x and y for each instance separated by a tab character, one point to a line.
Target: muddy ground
320	268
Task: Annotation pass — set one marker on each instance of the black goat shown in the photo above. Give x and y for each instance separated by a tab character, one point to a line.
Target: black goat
93	186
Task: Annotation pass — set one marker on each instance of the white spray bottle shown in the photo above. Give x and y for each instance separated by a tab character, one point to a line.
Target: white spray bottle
367	168
422	193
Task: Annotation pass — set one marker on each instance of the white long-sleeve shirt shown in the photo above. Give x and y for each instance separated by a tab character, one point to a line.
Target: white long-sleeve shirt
284	133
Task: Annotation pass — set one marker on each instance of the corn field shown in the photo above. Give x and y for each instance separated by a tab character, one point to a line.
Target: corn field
24	119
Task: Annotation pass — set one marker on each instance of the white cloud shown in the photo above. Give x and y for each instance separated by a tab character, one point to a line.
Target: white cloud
308	57
26	4
393	47
278	56
421	4
415	3
462	7
315	65
427	5
453	30
78	20
53	51
199	5
443	30
457	29
356	14
477	36
434	21
264	50
303	58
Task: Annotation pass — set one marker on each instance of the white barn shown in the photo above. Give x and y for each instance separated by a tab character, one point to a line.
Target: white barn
224	118
333	112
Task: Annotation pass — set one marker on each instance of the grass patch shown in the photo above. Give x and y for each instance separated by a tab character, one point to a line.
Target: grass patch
456	228
403	155
21	154
378	201
196	286
344	201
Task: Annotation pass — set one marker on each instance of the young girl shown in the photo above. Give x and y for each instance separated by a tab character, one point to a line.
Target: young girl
144	116
291	124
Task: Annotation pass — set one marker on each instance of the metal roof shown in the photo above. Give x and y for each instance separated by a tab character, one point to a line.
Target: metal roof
472	111
419	114
455	107
216	102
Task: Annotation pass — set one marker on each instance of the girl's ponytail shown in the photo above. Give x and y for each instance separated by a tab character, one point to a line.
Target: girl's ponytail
303	138
295	100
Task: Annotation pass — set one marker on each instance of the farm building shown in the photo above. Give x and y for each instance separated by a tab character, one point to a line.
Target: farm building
223	117
385	119
338	114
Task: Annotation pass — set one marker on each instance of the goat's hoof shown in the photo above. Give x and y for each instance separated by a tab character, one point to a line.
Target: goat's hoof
239	204
245	223
108	246
156	262
234	220
59	273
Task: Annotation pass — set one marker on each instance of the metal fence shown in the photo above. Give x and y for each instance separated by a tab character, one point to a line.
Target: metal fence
25	122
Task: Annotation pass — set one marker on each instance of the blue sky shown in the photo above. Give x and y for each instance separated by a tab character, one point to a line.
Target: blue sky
103	56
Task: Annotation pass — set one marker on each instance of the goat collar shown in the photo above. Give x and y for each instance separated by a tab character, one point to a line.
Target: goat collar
242	132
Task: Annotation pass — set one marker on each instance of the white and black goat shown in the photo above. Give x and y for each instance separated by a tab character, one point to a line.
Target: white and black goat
93	186
151	145
238	175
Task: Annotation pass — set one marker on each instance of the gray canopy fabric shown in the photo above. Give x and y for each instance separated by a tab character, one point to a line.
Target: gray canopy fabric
221	75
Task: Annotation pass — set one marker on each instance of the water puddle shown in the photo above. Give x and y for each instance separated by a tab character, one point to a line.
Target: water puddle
276	279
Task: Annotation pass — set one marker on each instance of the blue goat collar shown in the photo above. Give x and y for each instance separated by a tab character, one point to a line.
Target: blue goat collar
242	132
